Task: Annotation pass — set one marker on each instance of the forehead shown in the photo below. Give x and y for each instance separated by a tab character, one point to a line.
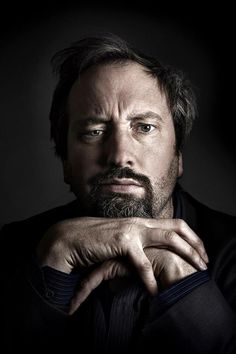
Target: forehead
104	88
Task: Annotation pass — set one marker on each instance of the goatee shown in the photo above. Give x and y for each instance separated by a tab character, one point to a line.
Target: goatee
120	205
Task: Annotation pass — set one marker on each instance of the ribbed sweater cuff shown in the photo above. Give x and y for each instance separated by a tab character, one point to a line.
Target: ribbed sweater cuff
54	286
60	287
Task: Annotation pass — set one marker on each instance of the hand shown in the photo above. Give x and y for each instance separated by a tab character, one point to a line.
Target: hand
168	268
82	242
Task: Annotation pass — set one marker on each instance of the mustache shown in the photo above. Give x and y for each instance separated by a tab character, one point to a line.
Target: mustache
120	172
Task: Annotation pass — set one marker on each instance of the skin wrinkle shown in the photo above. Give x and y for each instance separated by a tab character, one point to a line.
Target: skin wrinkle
103	93
134	116
112	135
127	206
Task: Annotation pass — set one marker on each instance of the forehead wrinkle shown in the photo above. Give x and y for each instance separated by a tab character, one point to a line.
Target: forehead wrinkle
101	119
118	101
145	115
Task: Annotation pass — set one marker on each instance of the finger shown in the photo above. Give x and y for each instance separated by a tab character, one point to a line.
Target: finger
107	270
183	229
170	240
144	268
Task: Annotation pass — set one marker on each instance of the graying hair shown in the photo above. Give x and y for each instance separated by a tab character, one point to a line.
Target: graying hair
69	63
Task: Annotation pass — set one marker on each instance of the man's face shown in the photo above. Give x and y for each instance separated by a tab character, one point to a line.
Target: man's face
121	157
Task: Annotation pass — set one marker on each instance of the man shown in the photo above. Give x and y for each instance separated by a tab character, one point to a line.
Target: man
134	262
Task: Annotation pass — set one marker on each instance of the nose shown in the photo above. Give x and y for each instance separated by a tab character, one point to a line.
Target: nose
120	149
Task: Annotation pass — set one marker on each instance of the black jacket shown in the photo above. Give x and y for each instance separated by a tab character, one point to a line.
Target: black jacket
203	321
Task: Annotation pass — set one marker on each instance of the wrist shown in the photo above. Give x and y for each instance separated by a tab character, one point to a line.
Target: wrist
54	258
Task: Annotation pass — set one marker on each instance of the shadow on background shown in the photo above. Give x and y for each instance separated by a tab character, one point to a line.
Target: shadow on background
192	40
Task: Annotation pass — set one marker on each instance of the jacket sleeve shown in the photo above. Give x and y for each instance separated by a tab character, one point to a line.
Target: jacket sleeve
204	320
27	317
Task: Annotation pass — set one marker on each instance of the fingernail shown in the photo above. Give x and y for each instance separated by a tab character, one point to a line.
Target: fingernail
206	257
203	265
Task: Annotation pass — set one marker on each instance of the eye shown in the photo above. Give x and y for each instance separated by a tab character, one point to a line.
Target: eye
145	128
93	133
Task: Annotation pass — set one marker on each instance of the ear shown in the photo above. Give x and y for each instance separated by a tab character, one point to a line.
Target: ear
67	171
180	165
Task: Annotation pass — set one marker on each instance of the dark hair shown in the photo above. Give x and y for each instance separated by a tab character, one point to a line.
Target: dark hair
69	63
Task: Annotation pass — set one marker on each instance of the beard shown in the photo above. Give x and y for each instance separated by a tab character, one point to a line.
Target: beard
155	202
120	204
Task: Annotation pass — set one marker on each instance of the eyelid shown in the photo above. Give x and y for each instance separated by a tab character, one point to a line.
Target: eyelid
94	126
88	131
87	134
153	126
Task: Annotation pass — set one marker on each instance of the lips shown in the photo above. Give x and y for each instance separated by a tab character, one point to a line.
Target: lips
122	182
122	185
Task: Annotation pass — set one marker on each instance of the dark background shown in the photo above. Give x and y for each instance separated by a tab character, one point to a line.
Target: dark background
197	40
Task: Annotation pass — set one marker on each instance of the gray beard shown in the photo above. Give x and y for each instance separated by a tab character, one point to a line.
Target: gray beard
118	205
157	202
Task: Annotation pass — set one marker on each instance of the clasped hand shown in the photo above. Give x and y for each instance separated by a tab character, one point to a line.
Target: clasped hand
167	249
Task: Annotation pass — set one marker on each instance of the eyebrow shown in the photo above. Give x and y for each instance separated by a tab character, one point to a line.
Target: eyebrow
133	116
145	115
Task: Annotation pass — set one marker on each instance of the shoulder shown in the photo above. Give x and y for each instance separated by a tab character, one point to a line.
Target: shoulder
206	216
215	228
218	233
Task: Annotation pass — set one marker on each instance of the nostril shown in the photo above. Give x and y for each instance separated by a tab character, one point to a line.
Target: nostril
113	164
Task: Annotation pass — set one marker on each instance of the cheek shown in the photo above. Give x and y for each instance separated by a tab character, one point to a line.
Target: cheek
83	163
156	163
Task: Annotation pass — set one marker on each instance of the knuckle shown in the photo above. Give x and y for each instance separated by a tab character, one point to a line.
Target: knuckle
116	269
192	252
122	237
145	266
111	269
181	224
199	243
85	284
170	236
